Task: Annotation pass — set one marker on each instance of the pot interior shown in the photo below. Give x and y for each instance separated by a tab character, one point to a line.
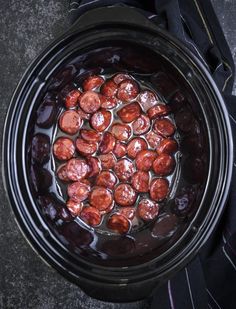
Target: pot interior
171	79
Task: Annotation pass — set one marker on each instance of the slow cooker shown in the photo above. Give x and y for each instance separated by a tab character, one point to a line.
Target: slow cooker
121	267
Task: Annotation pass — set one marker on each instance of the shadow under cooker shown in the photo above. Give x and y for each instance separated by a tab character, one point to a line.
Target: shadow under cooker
93	259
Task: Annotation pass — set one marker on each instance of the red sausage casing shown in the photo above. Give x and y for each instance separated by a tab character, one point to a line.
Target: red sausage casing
159	189
63	148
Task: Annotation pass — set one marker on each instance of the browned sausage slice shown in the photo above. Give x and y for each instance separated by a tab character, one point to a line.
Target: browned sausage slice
135	146
94	166
154	139
159	189
163	165
106	179
101	120
119	150
108	143
92	82
90	102
147	99
158	110
63	148
85	148
140	181
147	210
108	102
144	160
129	112
70	122
118	223
90	135
127	212
100	198
91	216
62	173
109	88
118	78
168	146
108	161
74	207
124	169
77	169
127	90
125	195
72	99
141	125
164	127
122	132
40	148
79	191
83	115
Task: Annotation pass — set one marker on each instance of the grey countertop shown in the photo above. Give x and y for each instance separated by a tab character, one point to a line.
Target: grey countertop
27	26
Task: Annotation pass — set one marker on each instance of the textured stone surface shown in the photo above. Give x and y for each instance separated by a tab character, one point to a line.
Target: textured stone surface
26	27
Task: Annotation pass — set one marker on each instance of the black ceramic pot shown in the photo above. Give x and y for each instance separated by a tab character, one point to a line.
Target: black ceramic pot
108	267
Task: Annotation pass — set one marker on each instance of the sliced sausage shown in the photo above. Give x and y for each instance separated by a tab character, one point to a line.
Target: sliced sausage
141	125
124	169
147	99
119	150
74	207
62	173
122	132
168	146
144	160
63	148
107	160
159	189
154	139
127	90
119	224
108	102
106	179
127	212
70	122
158	110
163	165
147	210
90	135
125	195
46	114
109	88
140	181
77	169
108	143
101	120
72	99
92	82
83	115
79	191
85	148
108	209
118	78
89	102
129	112
40	148
65	215
164	127
184	119
94	166
135	146
177	101
100	198
91	216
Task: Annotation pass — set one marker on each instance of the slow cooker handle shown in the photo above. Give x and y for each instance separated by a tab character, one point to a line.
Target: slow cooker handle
112	14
